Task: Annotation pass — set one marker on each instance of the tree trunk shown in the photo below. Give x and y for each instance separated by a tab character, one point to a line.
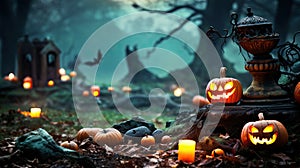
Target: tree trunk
282	18
137	73
14	22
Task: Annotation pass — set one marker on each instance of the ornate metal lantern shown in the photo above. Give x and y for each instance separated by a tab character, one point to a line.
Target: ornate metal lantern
255	35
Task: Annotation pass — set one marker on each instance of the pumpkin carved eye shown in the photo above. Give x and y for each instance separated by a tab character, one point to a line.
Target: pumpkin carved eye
268	129
213	87
228	85
253	129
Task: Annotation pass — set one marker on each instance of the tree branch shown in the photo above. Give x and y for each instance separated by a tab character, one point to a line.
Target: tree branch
194	16
162	39
174	9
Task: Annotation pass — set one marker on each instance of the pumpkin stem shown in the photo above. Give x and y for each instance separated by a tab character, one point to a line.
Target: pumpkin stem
223	72
261	116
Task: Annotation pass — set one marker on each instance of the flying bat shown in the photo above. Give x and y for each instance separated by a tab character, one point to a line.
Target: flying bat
96	61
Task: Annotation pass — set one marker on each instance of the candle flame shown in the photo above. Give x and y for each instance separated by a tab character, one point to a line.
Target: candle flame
11	76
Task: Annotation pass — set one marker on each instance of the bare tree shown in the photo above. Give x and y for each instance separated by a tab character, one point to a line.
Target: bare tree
216	13
283	18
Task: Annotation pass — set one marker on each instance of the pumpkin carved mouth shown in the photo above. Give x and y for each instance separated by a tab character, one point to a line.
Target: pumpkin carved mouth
257	140
221	96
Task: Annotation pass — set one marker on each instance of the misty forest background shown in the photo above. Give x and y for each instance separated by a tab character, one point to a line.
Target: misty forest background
70	23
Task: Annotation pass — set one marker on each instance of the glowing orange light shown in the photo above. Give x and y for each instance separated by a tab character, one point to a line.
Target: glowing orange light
85	93
126	89
50	83
65	78
110	89
95	90
178	92
25	113
73	74
27	83
96	93
11	77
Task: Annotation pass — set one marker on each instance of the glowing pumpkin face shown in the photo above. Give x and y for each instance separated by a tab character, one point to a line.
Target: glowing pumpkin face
224	90
264	134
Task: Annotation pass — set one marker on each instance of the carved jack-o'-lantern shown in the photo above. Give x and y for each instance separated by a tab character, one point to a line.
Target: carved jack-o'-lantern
224	90
264	134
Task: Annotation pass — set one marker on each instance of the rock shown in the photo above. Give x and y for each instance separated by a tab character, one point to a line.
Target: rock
136	134
125	126
158	134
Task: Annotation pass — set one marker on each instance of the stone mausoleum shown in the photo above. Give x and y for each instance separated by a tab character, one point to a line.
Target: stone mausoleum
38	59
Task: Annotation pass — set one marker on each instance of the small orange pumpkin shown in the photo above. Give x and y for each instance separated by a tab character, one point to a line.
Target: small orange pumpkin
70	145
200	101
84	133
217	152
166	139
148	140
108	136
224	90
264	134
297	93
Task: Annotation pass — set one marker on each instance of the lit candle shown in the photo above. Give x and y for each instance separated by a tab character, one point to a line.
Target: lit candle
186	150
27	83
95	90
35	112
